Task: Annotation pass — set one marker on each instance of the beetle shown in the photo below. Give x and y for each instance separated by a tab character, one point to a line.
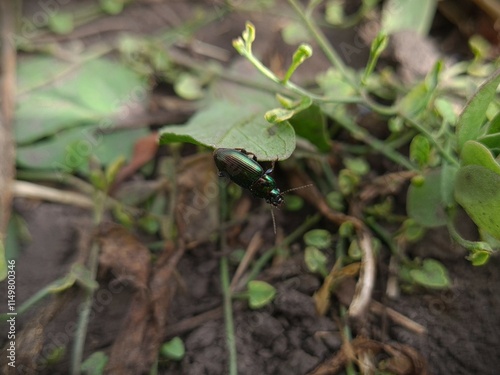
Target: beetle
241	167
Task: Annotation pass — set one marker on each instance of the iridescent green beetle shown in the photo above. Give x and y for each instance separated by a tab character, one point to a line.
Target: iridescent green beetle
241	167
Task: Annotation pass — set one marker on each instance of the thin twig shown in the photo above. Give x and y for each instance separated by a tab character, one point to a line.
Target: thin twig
30	190
253	246
379	309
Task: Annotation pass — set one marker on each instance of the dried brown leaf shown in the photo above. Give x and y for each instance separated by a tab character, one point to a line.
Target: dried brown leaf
123	255
197	213
145	324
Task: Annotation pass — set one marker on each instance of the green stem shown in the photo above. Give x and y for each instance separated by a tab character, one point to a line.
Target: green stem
228	317
383	234
361	134
225	283
378	108
469	245
83	318
290	85
347	333
337	62
268	255
320	38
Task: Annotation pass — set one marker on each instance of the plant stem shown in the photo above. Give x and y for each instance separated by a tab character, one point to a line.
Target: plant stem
347	335
83	318
228	317
469	245
320	38
86	307
361	134
337	62
226	286
290	85
266	257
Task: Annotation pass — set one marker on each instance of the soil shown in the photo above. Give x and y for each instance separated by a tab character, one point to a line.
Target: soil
285	337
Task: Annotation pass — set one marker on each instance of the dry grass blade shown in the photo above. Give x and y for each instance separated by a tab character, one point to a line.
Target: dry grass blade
29	190
401	359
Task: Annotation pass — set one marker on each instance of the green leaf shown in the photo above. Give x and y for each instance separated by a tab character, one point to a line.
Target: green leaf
432	274
400	15
477	191
149	224
411	231
112	6
479	258
474	153
420	150
294	33
294	203
378	45
471	120
348	181
358	166
335	85
260	294
95	364
70	150
419	97
223	124
32	73
335	200
346	229
173	349
61	23
278	115
310	124
301	54
94	93
445	109
480	47
491	139
188	86
320	238
315	260
354	251
494	126
54	356
424	201
334	13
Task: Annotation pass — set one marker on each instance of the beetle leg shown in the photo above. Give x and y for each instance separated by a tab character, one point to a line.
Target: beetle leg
247	153
270	170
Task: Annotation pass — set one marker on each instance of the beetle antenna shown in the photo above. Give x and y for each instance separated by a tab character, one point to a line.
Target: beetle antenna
297	188
274	221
